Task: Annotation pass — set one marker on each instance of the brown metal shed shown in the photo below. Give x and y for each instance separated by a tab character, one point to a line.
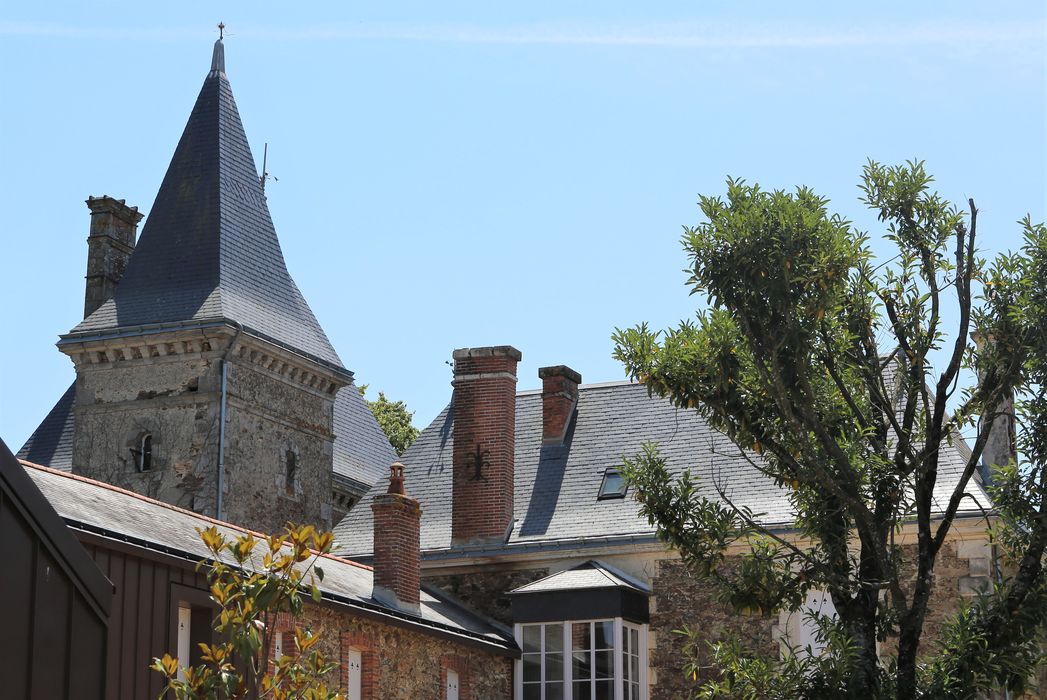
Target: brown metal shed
54	600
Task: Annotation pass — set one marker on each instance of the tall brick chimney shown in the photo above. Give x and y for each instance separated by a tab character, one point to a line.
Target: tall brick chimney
559	399
397	559
484	444
109	246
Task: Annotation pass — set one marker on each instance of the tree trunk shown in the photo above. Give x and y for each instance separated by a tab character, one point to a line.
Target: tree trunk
909	639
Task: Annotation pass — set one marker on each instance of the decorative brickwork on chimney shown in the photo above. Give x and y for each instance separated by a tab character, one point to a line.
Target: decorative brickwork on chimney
397	559
559	399
484	444
114	226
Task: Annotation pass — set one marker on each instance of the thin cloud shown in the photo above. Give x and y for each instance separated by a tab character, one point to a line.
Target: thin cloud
680	35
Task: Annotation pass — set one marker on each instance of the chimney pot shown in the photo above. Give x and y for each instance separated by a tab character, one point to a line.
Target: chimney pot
559	401
396	478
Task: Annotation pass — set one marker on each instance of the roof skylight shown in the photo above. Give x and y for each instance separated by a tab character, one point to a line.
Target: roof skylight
613	485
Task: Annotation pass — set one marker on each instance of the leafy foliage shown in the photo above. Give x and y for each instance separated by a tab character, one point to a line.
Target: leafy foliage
817	363
249	592
394	420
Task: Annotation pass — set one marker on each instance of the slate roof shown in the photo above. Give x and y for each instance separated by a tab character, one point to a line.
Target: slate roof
591	574
361	451
208	250
556	488
51	444
106	510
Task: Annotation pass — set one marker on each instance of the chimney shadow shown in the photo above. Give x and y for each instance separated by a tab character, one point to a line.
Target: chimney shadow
445	433
552	464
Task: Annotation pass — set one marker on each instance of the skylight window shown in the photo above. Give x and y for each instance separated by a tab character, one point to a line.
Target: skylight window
614	484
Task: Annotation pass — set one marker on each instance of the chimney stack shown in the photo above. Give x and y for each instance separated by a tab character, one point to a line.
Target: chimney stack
484	444
1002	445
397	559
109	246
559	400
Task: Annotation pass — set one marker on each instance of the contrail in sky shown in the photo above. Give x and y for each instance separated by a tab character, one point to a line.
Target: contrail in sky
678	35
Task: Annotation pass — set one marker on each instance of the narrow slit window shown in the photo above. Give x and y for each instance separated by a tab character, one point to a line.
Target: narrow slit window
143	453
614	484
291	471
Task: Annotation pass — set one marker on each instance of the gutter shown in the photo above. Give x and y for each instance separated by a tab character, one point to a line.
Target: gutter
220	497
469	554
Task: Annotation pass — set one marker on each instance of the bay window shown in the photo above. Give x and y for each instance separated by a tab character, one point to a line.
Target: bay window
582	660
582	634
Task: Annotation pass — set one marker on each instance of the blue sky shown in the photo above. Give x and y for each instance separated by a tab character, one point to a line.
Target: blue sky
454	174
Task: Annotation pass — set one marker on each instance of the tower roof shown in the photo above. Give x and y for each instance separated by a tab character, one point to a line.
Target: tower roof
208	251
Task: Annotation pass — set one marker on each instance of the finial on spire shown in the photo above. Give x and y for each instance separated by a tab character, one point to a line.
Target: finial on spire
218	57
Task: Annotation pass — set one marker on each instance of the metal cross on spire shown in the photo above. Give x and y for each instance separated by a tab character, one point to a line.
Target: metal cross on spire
221	31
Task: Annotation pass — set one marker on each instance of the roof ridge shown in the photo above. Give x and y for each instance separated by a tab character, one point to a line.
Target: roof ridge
168	506
592	385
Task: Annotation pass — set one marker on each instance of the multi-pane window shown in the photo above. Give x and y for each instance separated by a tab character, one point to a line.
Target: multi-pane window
543	662
592	660
602	656
630	662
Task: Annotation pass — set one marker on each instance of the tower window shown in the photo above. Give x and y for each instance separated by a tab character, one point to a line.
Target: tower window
143	453
291	469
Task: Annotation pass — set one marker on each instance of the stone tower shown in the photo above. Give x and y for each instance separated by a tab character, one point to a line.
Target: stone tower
205	380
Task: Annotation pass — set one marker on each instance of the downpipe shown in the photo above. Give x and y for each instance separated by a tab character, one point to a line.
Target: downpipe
220	498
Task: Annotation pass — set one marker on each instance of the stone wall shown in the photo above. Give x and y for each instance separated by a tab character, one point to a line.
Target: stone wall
279	419
402	664
270	421
174	399
681	601
486	591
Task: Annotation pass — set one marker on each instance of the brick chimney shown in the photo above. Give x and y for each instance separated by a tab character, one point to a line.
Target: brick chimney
559	399
109	246
484	444
397	559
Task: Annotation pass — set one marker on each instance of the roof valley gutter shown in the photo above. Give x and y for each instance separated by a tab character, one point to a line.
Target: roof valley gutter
219	498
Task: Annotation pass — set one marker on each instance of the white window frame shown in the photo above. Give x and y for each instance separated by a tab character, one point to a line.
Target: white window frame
798	631
620	626
452	685
183	647
354	684
278	645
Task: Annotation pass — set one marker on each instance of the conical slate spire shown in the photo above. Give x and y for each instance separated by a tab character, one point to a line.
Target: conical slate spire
208	250
218	58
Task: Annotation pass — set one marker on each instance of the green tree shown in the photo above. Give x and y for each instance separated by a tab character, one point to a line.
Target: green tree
394	419
818	363
249	590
